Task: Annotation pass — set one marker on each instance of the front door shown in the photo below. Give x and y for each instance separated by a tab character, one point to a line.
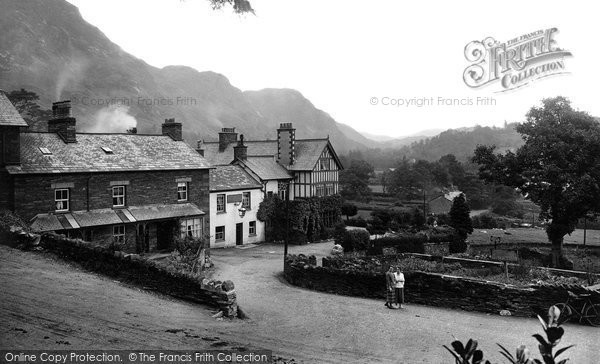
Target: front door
239	233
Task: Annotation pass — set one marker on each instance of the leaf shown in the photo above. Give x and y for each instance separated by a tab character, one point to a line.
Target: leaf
509	357
470	348
456	357
563	361
560	351
477	356
554	334
542	322
541	339
459	348
506	353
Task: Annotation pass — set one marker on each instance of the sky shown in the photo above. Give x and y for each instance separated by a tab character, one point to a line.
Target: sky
363	61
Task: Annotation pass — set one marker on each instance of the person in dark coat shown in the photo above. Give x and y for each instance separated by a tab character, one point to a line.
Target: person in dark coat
390	280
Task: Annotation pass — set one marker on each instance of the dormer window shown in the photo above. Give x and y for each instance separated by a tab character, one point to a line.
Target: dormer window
45	151
107	150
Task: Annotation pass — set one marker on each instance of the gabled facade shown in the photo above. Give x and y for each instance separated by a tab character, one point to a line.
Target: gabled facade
443	203
234	199
310	167
136	191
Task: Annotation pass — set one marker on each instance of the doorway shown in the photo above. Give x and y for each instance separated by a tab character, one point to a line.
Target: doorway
239	233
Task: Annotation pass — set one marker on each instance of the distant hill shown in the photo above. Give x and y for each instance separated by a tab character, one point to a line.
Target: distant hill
462	142
47	47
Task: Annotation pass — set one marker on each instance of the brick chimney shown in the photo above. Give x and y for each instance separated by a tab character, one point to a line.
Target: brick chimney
62	122
172	129
286	144
199	148
226	136
240	151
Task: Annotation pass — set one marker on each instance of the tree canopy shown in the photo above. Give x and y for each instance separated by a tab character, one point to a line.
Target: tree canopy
354	180
558	167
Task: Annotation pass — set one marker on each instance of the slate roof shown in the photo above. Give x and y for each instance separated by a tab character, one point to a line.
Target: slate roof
255	148
308	152
231	177
266	168
131	152
9	116
100	217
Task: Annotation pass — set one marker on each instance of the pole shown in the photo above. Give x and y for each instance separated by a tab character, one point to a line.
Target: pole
584	229
424	206
287	221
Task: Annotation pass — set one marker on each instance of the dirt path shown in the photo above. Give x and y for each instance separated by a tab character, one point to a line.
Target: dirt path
364	328
49	304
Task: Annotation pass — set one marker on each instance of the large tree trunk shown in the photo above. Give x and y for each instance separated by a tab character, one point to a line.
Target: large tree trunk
556	233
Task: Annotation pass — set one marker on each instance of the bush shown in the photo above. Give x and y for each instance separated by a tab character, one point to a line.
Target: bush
360	222
355	240
457	245
402	244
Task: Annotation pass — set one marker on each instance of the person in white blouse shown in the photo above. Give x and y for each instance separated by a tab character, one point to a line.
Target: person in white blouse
399	287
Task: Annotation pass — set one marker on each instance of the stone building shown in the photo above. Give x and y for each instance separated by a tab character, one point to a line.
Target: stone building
137	191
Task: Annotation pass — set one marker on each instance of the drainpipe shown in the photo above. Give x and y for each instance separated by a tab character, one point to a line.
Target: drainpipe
87	192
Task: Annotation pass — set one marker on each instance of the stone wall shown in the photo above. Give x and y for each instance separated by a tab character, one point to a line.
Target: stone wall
432	289
135	269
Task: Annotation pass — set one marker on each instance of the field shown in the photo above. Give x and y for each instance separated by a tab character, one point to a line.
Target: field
532	235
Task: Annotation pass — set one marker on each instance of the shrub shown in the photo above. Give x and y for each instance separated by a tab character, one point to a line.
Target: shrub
360	222
458	245
402	244
355	240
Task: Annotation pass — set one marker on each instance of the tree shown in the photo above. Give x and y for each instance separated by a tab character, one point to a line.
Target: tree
239	6
354	181
558	167
26	104
460	220
349	209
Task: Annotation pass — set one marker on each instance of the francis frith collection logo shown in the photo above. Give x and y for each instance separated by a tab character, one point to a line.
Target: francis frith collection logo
516	62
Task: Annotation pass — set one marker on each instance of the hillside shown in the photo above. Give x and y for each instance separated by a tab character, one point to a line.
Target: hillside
47	47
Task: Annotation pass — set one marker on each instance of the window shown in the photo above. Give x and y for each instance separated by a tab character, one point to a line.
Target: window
118	196
329	189
282	194
221	202
45	151
320	190
246	200
220	233
191	228
252	228
324	164
119	233
182	194
61	199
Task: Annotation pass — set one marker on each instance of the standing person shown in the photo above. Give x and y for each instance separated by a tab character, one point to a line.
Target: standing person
390	282
399	287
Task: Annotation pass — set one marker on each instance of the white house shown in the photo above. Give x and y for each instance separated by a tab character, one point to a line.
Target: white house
234	200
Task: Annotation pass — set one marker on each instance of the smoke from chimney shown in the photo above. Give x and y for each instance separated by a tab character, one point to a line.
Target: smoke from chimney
113	119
